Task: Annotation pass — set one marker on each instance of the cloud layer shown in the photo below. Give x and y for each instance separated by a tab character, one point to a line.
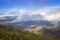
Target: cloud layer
49	14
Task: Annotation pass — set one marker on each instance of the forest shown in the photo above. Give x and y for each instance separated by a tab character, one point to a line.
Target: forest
11	33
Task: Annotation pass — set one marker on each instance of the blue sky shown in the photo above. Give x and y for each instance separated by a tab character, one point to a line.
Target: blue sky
24	4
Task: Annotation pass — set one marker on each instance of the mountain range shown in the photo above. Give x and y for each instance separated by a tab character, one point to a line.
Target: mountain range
31	18
25	24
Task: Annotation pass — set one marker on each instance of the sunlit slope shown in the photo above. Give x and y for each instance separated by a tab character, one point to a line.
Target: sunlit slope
34	29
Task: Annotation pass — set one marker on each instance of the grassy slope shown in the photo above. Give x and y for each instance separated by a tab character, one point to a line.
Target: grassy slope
9	33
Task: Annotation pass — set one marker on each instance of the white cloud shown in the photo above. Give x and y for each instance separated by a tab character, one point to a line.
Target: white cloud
2	18
49	14
53	14
22	11
52	17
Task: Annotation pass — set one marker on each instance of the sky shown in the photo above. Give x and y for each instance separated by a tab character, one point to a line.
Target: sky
25	10
27	4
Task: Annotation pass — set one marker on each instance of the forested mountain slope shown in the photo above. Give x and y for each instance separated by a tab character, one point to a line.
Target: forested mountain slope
10	33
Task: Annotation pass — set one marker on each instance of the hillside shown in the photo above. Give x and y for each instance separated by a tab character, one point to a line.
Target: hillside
47	31
10	33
